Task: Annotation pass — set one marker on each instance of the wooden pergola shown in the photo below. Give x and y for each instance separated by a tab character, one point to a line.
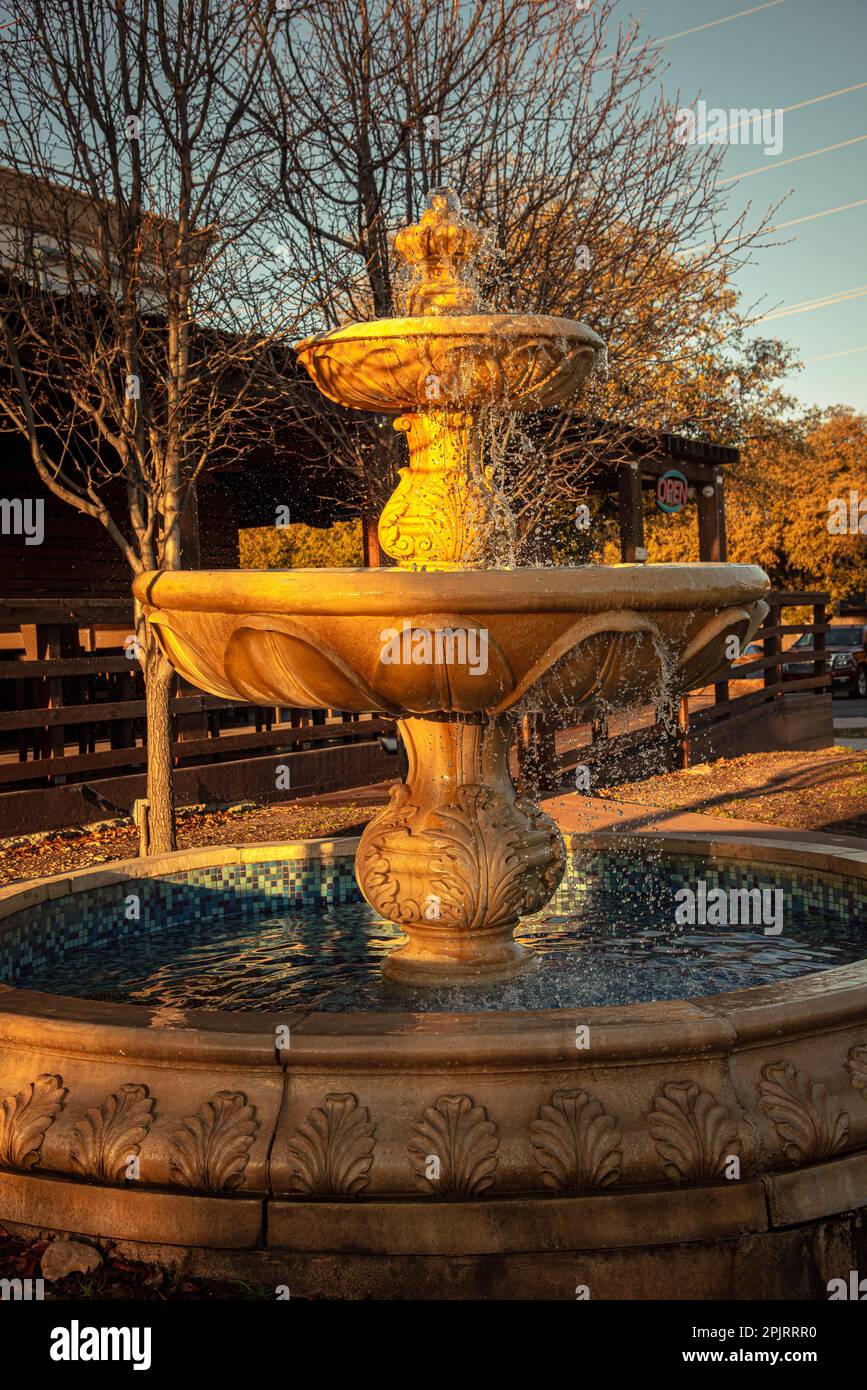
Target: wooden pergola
703	467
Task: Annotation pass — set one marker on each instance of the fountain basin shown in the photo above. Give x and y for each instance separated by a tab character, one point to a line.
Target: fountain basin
345	639
294	1146
458	857
522	361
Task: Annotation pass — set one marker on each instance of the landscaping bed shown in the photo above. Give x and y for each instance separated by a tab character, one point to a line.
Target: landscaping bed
60	851
117	1278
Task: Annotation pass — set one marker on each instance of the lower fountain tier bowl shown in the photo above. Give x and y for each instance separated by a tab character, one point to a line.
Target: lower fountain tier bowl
404	643
710	1144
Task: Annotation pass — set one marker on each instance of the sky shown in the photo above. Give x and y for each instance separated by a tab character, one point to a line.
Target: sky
777	55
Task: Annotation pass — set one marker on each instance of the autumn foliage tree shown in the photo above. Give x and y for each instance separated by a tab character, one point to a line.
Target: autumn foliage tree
795	477
548	121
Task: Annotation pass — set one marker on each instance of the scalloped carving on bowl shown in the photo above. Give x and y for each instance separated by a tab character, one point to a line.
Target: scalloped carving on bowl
333	657
277	661
524	361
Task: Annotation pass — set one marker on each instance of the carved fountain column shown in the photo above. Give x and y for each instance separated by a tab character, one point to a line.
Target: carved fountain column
458	857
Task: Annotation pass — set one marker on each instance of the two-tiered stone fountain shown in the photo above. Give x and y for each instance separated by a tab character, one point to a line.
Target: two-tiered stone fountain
198	1061
444	642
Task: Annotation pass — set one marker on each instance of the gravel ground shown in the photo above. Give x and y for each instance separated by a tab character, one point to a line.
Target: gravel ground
822	790
117	1278
59	851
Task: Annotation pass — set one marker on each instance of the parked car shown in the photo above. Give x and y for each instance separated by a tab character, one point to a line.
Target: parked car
751	652
846	646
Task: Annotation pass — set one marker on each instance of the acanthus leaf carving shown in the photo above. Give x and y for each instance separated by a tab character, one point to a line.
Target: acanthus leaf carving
109	1135
463	1142
25	1119
333	1149
488	859
857	1065
576	1143
211	1149
694	1135
810	1122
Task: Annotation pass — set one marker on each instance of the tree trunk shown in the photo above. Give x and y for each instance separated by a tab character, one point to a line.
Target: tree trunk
159	679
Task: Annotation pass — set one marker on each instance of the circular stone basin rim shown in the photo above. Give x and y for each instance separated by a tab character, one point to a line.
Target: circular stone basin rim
395	592
687	1026
484	326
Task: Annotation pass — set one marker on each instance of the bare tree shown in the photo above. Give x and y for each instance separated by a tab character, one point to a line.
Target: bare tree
547	119
145	305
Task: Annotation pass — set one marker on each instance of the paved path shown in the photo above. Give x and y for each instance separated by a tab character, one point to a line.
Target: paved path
850	723
588	814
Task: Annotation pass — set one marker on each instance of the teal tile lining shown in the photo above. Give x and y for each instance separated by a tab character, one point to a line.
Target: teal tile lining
97	918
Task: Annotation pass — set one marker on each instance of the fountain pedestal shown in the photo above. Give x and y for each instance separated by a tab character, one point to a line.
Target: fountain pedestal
458	856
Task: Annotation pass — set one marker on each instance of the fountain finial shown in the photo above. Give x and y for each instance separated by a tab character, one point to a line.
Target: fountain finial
436	249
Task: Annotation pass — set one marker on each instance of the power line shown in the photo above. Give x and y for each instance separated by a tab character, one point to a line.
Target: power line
778	163
799	105
682	33
777	227
847	352
812	216
808	305
712	24
799	304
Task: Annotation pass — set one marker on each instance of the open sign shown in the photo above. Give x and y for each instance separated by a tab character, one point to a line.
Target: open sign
671	491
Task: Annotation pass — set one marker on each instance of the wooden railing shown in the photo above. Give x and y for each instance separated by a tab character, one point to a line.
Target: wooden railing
72	707
72	704
652	745
773	666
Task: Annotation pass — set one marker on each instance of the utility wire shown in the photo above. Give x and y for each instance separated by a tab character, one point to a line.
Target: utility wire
847	352
808	305
778	163
810	101
777	227
712	23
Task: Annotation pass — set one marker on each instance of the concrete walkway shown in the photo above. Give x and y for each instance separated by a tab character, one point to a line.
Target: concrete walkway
588	814
583	814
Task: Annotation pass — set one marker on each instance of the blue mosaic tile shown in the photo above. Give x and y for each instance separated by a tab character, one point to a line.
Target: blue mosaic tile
111	913
62	926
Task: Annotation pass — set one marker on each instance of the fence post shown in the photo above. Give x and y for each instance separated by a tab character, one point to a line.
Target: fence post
771	647
683	730
140	809
819	643
630	502
537	751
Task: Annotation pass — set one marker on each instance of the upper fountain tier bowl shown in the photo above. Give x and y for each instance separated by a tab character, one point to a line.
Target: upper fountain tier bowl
447	355
460	642
522	361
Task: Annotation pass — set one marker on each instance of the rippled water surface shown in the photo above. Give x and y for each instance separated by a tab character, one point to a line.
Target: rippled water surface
606	945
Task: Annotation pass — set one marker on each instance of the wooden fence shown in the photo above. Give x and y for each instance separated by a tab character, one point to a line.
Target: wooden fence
72	713
72	706
772	668
715	719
